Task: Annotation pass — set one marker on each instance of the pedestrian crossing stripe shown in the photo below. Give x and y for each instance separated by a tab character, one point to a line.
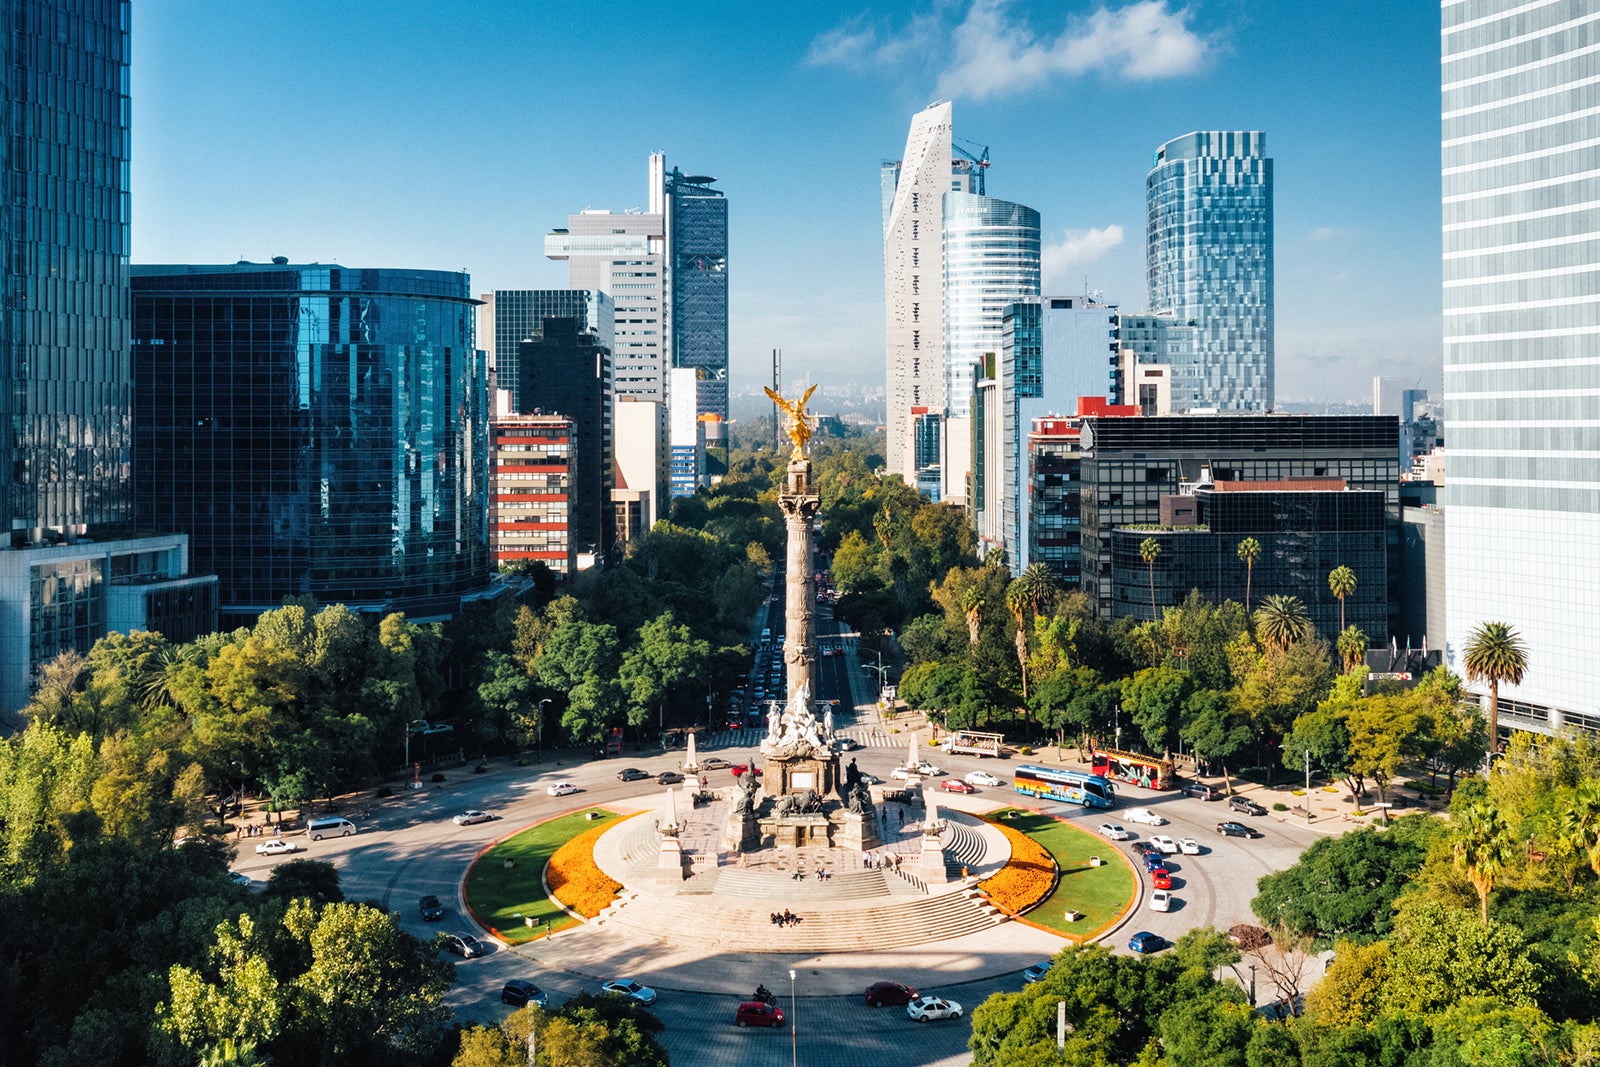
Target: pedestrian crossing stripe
751	737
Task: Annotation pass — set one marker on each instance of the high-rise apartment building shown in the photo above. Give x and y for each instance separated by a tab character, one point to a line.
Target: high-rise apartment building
315	430
696	223
1521	118
70	569
530	490
1208	260
507	317
622	255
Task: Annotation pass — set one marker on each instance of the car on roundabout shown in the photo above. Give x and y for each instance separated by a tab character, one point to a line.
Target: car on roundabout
1160	878
924	1009
1145	816
846	744
465	945
928	770
902	774
1189	846
239	878
627	987
981	778
430	908
1153	860
561	789
715	763
1111	831
1201	791
741	769
631	774
1161	900
758	1013
956	785
1145	941
668	778
881	993
1246	805
468	818
1164	844
1226	829
277	847
520	992
1035	972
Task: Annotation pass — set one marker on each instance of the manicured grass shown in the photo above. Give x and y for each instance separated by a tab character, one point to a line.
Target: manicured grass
502	898
1101	893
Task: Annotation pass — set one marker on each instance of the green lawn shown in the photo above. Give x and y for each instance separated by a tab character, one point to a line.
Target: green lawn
1100	893
503	898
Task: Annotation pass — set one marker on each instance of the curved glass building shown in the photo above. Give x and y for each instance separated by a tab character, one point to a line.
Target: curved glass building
991	259
315	430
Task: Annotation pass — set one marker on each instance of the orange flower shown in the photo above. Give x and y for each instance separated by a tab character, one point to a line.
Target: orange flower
1026	880
576	881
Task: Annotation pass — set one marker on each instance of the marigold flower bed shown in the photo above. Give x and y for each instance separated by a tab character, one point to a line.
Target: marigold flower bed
574	879
1026	880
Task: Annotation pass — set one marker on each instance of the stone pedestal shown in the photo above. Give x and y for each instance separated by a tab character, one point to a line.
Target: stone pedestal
670	868
741	832
797	831
930	865
811	768
855	832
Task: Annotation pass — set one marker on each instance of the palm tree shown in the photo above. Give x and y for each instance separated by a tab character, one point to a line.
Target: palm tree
1281	621
1352	647
1024	597
1149	549
1483	849
1495	653
1249	549
972	604
1341	582
1580	823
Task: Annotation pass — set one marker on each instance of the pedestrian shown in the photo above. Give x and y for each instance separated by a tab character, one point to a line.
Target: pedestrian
277	831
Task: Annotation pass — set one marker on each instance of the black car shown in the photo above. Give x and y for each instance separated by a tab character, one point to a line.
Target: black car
1201	791
881	993
520	991
669	778
1235	829
430	907
631	774
1246	805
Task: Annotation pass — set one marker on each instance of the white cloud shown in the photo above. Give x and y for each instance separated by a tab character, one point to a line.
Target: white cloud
1062	264
1328	233
991	52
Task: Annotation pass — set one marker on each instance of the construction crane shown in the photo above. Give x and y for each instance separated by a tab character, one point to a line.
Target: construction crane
978	162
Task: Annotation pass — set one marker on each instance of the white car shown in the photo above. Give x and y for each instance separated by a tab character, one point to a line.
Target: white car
629	988
1163	844
1161	900
901	774
1146	816
562	789
467	818
924	1008
1114	832
276	847
928	769
981	778
1189	847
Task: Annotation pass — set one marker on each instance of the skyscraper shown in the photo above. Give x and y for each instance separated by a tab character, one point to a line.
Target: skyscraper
1521	116
697	279
69	568
1208	260
507	317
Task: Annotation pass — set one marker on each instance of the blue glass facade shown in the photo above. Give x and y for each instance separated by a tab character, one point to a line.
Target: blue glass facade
314	430
991	260
697	248
64	379
519	316
1208	259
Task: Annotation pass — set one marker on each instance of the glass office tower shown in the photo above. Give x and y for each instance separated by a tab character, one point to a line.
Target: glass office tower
697	254
314	430
512	316
991	260
1521	215
1208	260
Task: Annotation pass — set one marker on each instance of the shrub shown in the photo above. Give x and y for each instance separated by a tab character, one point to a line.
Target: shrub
1024	751
1279	806
1024	881
576	881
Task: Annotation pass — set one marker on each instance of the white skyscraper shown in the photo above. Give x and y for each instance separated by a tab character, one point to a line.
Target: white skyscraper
1521	190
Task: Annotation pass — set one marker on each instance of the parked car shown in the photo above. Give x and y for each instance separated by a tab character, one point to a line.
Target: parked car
277	847
627	987
1189	847
668	778
465	945
467	818
631	774
1036	972
924	1008
1160	878
715	763
1201	791
1161	900
562	789
1246	805
519	992
1145	941
1113	832
1164	844
881	993
981	778
1235	829
757	1013
1145	816
956	785
431	909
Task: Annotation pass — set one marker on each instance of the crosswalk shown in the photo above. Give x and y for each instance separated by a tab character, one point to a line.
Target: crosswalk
750	737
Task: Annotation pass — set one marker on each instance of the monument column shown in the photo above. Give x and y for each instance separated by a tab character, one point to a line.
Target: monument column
799	502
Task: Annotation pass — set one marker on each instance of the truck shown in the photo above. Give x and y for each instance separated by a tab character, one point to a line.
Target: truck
974	742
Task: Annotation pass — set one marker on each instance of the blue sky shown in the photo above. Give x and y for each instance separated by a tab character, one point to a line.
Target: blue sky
455	135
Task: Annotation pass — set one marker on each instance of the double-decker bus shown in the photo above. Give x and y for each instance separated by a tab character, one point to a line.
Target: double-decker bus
1151	772
1074	787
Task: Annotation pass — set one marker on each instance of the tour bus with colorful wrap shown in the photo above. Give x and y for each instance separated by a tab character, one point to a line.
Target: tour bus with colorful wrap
1059	783
1150	772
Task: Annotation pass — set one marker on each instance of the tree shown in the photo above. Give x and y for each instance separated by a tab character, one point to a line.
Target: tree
1149	549
1483	848
1341	583
664	660
1440	955
1024	596
1216	729
972	603
1352	645
1281	621
1154	697
1495	653
1249	549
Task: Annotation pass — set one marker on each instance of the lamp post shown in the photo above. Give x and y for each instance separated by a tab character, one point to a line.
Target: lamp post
794	1029
1116	720
1252	985
1308	787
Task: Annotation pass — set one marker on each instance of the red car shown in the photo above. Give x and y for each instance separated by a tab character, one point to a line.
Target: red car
756	1013
881	993
1160	879
740	768
956	785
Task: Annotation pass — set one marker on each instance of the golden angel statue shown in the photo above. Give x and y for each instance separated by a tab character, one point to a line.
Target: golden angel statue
799	425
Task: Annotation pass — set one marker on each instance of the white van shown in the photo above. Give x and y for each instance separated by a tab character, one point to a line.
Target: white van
317	829
766	635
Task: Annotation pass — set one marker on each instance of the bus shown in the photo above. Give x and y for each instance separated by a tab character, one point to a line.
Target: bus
1151	772
1074	787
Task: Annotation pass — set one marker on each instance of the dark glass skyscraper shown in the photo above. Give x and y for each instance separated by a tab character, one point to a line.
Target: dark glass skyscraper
566	371
697	250
315	430
64	381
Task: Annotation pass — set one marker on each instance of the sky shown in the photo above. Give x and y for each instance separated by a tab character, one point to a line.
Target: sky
455	135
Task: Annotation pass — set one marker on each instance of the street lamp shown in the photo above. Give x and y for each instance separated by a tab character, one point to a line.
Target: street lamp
1308	787
794	1030
1116	721
1252	985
